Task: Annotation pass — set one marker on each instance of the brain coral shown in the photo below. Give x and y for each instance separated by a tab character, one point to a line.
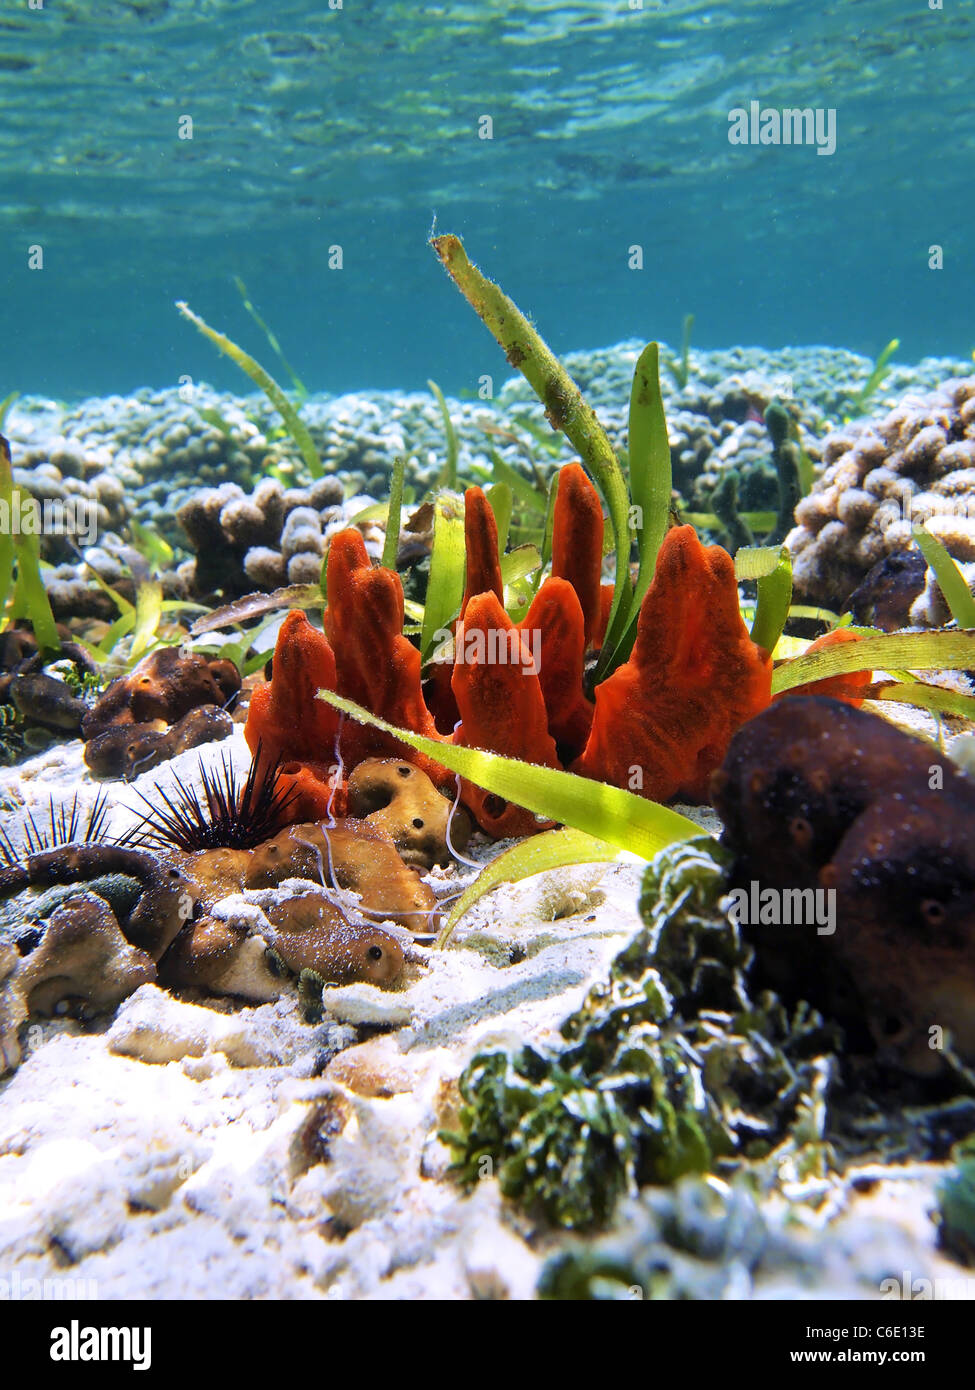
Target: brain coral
912	466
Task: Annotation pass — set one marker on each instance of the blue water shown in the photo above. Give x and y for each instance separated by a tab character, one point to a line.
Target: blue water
356	127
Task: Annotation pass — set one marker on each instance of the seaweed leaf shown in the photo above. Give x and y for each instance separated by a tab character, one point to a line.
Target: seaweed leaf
651	483
771	567
5	405
502	503
631	822
565	407
256	605
6	532
30	598
529	496
148	612
915	651
448	474
151	545
394	513
880	370
951	581
680	367
555	849
932	697
445	587
301	390
296	427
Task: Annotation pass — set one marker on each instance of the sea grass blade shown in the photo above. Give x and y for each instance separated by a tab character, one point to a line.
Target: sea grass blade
256	605
619	817
951	581
301	390
880	370
148	612
521	487
448	474
932	697
448	557
5	405
6	532
394	513
518	563
565	407
555	849
296	427
651	482
771	567
915	651
30	596
501	503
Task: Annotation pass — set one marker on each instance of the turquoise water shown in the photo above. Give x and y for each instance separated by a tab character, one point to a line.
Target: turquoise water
356	127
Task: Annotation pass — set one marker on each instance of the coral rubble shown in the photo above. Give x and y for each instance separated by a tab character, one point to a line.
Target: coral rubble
914	465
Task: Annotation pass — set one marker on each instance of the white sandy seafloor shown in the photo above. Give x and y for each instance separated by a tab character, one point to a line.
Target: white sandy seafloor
177	1150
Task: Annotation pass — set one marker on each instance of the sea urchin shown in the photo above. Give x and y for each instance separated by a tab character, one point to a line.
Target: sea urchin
228	816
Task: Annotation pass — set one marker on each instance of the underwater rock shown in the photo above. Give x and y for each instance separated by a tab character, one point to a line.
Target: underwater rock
202	952
905	925
83	965
216	872
165	903
798	774
310	933
47	701
816	795
882	477
354	855
126	749
273	537
402	800
13	1010
165	685
888	591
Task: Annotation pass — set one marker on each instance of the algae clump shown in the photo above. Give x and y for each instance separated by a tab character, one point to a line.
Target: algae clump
668	1068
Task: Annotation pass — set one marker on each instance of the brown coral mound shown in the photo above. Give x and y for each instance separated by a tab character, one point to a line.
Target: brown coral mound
351	854
815	794
914	465
402	801
165	686
133	748
310	933
84	964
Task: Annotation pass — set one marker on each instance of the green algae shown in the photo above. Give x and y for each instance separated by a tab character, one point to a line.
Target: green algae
296	427
956	1205
669	1067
